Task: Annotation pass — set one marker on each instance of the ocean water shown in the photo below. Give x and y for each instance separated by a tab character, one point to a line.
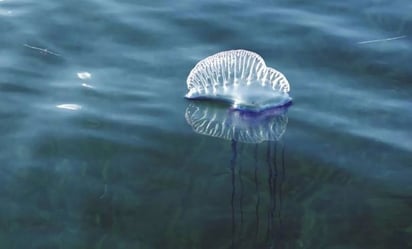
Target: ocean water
96	150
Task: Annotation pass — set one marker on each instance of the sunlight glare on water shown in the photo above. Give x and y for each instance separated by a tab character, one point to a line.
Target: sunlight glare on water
72	107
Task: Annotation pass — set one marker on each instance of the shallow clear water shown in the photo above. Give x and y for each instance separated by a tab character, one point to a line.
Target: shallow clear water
109	161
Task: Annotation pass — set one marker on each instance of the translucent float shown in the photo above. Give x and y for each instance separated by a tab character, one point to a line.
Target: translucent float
241	78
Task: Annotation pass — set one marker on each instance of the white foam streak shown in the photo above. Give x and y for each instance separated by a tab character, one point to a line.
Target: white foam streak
383	40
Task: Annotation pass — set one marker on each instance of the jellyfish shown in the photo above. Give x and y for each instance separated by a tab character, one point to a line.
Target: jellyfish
241	78
259	100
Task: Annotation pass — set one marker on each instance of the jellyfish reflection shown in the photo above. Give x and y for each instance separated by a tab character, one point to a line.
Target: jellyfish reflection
237	125
261	133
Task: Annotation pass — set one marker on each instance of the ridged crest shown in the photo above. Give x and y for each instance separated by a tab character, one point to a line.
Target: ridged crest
237	125
222	71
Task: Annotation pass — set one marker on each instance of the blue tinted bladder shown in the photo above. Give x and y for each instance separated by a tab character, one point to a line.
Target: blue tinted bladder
241	78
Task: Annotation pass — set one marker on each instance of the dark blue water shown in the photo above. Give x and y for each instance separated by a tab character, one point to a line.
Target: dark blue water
109	160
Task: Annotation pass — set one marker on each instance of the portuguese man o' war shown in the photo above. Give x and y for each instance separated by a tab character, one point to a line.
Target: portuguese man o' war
259	102
259	99
241	78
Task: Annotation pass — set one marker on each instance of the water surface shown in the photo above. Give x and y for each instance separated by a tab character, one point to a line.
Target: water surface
107	160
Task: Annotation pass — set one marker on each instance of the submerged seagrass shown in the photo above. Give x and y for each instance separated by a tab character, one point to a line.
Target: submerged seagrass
239	77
